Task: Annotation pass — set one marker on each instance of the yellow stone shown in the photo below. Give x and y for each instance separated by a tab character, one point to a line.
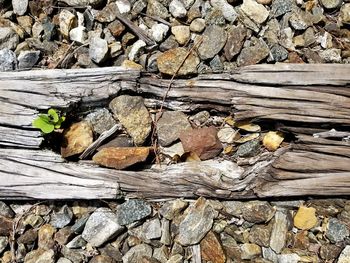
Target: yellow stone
247	126
305	218
272	140
76	139
128	64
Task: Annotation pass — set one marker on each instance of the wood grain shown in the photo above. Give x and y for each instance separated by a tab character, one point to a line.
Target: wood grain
300	99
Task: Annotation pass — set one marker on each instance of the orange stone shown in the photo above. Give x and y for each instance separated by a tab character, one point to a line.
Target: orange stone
76	139
120	157
211	249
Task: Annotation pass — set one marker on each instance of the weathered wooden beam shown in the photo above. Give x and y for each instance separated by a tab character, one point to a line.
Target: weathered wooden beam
302	99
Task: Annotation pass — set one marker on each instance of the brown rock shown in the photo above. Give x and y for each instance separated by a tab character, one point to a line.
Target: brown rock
116	28
132	113
76	139
329	251
301	240
6	225
64	235
102	259
250	251
232	249
235	39
170	60
211	249
312	56
28	237
204	142
257	211
108	13
7	257
293	57
260	235
45	237
253	54
40	255
122	157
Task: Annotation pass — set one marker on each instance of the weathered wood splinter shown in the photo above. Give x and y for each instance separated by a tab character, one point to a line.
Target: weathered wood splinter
300	99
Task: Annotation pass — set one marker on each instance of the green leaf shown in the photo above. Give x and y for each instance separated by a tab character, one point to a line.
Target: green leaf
43	125
44	117
58	124
53	114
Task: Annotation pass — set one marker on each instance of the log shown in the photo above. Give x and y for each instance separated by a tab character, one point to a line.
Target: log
301	99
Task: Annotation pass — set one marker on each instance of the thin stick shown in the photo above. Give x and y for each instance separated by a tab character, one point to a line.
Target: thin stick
64	55
160	20
138	31
154	139
105	135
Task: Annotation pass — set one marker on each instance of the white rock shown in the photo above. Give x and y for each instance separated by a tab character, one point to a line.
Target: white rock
136	49
78	34
177	258
3	243
98	49
8	60
64	260
66	22
123	6
136	253
177	9
37	29
188	3
101	226
20	6
345	255
332	55
115	49
152	229
82	2
159	32
227	135
227	10
255	11
8	38
173	150
197	25
279	231
108	36
80	19
288	258
326	40
344	15
286	39
182	34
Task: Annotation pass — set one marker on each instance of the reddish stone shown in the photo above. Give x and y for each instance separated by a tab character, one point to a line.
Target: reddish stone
204	142
211	249
293	57
120	157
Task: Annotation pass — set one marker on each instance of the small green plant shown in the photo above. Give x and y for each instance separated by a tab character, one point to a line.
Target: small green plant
47	123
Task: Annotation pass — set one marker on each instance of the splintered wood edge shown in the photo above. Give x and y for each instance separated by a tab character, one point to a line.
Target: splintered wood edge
301	93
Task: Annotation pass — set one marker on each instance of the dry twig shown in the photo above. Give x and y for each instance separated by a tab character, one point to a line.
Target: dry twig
154	137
